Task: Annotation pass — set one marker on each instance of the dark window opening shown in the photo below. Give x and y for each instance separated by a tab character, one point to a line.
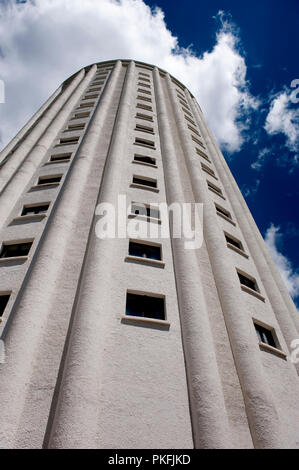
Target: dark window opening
148	143
31	210
145	251
69	141
223	212
144	182
139	127
3	302
214	188
144	159
248	282
61	158
264	335
49	179
234	242
14	250
145	306
145	210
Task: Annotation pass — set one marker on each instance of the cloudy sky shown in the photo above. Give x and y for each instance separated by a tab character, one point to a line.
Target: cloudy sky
238	58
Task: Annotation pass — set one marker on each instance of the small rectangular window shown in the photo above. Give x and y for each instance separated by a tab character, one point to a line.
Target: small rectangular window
144	106
184	103
90	97
94	89
87	105
145	210
152	183
189	120
15	250
233	241
145	117
32	210
197	141
81	115
144	79
145	142
187	112
193	130
248	281
4	298
69	140
145	159
49	179
62	157
140	127
147	306
265	335
222	211
144	74
144	91
208	170
214	188
144	98
202	154
76	127
144	85
144	250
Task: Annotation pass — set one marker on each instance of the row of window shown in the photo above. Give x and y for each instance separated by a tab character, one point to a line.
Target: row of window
20	250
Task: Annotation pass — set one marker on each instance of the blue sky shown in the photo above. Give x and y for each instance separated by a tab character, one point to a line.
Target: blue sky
238	58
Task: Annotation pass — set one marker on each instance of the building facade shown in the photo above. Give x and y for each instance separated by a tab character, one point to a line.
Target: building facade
135	342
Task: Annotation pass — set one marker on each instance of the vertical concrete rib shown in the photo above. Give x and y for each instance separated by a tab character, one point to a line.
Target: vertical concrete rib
260	407
274	286
77	413
20	154
209	416
34	309
17	185
20	135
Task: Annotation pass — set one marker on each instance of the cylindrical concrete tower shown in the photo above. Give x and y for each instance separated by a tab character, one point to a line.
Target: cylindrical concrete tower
117	332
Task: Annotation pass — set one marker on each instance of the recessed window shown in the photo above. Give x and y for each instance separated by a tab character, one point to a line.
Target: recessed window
187	112
202	154
81	115
144	74
141	90
76	127
208	170
87	105
144	106
248	281
214	188
152	183
69	140
144	159
144	142
146	117
90	97
36	209
197	141
146	306
144	98
144	84
62	157
193	130
145	210
184	103
4	298
233	241
95	89
190	120
144	79
221	211
140	127
265	335
143	250
44	180
15	250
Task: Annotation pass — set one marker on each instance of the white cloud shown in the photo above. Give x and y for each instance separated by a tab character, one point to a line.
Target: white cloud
283	118
45	41
262	155
289	275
